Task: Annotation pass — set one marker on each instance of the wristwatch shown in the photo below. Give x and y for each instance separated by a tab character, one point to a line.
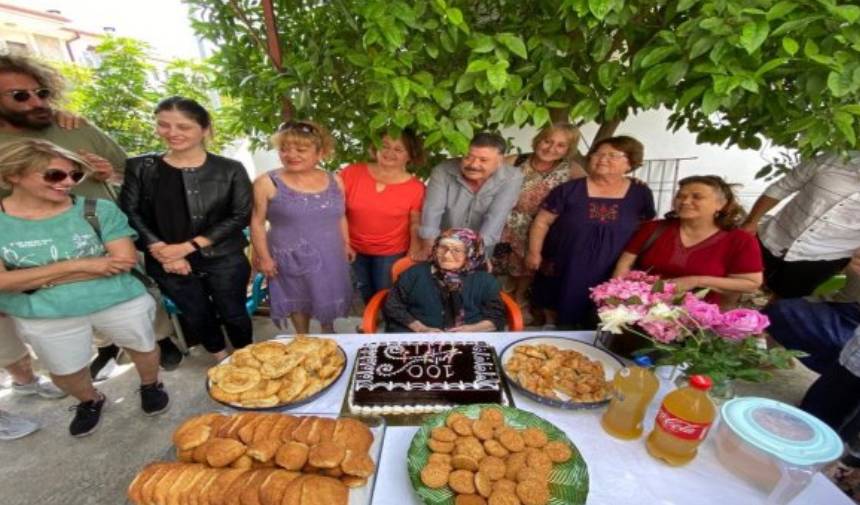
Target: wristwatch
195	245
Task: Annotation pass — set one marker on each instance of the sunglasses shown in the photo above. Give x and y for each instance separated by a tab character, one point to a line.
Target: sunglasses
300	126
55	175
22	95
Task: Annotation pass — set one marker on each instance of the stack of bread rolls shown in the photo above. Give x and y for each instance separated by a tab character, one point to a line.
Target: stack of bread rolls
248	453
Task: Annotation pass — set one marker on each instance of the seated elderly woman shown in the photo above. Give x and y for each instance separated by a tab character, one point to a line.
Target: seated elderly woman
61	277
452	292
699	245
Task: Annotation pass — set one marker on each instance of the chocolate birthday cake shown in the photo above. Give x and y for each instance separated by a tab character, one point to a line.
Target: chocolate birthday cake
418	377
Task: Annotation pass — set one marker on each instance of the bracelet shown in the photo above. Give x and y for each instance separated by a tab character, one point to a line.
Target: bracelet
195	245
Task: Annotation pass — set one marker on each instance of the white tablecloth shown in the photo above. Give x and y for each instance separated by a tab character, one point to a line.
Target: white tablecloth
619	472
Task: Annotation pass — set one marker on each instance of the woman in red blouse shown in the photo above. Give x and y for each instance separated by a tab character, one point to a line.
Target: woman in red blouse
383	210
699	245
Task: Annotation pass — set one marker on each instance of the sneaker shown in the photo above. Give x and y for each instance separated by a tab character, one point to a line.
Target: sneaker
154	399
171	356
101	367
15	426
87	417
41	386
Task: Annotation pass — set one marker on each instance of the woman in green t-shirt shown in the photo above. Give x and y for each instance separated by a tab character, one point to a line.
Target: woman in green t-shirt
60	278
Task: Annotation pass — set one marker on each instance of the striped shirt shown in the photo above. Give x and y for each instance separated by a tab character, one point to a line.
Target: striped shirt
850	355
821	222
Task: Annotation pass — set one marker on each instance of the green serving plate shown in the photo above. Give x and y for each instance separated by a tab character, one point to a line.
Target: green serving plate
568	482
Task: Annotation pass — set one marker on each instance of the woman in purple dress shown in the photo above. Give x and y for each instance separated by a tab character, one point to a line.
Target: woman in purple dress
582	228
304	254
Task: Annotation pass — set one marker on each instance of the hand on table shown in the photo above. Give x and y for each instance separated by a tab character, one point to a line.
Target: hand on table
686	283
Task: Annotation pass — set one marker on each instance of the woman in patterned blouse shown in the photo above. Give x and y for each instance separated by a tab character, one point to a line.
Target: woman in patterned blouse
543	170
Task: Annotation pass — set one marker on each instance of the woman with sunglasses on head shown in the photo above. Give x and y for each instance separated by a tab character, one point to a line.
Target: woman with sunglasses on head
190	208
383	208
700	244
60	278
582	227
305	253
453	292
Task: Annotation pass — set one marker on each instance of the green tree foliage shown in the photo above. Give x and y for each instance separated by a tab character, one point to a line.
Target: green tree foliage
120	94
734	71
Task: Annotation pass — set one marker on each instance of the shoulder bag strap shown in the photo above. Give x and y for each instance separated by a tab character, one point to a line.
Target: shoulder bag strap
658	230
93	220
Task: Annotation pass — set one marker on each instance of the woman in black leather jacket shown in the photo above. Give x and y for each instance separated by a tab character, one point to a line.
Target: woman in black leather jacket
190	207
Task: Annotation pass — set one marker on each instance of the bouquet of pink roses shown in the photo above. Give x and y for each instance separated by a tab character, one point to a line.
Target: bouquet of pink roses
687	330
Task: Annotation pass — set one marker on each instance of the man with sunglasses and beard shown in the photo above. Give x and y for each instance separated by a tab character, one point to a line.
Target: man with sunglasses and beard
476	192
28	92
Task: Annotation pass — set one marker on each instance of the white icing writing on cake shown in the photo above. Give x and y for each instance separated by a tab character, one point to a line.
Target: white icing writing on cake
426	365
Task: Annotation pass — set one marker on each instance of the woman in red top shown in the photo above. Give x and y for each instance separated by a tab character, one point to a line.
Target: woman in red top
699	245
383	209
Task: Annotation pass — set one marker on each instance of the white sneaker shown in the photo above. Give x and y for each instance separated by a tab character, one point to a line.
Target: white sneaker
14	426
41	386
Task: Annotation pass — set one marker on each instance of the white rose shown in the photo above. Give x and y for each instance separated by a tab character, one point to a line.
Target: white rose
661	311
615	319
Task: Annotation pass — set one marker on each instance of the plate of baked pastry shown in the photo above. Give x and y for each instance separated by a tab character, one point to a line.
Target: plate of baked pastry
560	372
276	374
267	459
479	454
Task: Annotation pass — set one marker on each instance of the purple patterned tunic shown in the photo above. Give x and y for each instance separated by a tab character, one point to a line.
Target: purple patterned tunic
305	241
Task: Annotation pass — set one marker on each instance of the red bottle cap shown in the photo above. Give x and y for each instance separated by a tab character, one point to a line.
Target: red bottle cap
702	382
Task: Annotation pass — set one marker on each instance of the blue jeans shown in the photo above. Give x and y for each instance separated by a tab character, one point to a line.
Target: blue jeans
373	273
820	329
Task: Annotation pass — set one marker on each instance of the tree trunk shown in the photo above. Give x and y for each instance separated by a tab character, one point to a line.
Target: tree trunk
559	115
274	51
607	128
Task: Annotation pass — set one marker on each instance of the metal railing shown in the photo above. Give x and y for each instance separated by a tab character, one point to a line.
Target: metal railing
661	175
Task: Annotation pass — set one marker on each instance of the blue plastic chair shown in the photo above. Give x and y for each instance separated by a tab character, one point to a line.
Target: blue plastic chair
259	294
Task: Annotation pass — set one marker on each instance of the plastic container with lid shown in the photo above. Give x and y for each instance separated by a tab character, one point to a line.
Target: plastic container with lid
777	447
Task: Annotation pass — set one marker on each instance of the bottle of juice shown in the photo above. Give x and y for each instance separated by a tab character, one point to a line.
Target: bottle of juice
682	422
633	389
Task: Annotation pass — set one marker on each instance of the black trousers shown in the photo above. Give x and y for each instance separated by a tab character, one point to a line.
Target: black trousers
835	399
795	279
213	295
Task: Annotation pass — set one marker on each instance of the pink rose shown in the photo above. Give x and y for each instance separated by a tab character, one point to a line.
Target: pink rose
660	330
704	314
739	324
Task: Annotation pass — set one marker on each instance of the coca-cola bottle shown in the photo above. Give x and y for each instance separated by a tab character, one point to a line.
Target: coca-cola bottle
682	422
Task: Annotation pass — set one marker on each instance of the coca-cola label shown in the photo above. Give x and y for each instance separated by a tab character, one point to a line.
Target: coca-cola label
681	428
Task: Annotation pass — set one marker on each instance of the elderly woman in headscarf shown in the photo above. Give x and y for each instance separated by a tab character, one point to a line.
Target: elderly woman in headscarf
452	292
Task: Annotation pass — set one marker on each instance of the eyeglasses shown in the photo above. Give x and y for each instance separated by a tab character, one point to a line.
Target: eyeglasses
611	156
301	126
22	95
55	175
443	249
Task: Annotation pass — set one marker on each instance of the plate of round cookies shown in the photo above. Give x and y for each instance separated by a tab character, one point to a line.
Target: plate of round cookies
560	372
488	454
276	373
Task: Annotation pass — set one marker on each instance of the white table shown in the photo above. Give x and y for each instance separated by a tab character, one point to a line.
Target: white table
619	472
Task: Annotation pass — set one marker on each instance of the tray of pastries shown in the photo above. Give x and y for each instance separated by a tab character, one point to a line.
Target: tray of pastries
277	374
266	459
496	455
560	372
